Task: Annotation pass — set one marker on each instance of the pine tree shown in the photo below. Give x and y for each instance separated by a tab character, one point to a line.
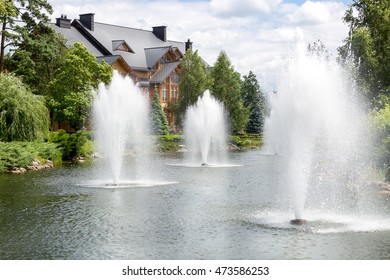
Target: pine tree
159	119
254	101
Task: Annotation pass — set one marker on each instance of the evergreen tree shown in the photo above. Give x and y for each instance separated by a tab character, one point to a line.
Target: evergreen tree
37	58
226	88
23	115
254	101
159	119
193	82
71	90
12	14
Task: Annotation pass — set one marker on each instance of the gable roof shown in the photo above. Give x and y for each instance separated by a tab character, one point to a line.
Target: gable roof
163	72
145	47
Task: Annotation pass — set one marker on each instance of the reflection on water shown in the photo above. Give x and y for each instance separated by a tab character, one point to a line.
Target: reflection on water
237	212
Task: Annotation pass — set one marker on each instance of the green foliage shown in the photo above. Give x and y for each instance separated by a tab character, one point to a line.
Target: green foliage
21	154
254	100
159	119
37	57
368	48
252	141
71	90
226	88
380	126
74	145
23	115
169	143
19	17
193	82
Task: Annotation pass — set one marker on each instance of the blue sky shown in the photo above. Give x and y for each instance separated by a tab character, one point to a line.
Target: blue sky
256	34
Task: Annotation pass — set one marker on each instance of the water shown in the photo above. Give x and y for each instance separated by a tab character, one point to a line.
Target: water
318	127
210	213
121	122
205	132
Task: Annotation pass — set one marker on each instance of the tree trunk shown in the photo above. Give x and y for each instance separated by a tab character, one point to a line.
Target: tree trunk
4	23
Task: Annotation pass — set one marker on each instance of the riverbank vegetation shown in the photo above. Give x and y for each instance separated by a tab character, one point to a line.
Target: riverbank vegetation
16	155
176	142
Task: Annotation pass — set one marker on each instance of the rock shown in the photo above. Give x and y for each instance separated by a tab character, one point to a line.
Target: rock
17	170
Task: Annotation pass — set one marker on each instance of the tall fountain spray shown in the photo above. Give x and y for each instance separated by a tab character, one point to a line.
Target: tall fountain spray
121	119
317	127
205	131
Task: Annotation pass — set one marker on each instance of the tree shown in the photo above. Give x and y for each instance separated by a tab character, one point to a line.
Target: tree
317	48
193	82
379	121
367	47
71	90
254	101
19	17
159	119
226	88
23	115
38	57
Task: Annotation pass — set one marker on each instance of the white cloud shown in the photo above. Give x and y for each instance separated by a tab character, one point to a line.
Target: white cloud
256	36
315	13
242	8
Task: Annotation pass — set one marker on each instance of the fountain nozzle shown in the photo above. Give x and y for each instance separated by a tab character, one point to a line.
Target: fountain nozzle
298	222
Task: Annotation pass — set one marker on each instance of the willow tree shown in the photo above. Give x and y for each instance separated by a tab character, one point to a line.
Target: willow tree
23	115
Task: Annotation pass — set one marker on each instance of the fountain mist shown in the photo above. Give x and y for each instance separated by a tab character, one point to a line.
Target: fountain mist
121	120
318	129
205	131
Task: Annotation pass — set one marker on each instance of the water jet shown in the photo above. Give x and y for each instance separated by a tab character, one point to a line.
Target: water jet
316	127
121	114
205	132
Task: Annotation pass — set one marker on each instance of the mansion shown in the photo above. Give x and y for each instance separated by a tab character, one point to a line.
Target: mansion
148	57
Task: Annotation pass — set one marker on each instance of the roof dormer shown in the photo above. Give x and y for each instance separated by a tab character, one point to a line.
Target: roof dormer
121	45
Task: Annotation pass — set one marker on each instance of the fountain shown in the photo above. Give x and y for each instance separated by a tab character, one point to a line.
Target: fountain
121	120
205	132
317	128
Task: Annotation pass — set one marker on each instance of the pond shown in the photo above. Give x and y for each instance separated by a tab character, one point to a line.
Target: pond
233	212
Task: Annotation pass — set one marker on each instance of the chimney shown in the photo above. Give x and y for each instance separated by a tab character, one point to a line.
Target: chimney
188	45
63	22
88	21
160	32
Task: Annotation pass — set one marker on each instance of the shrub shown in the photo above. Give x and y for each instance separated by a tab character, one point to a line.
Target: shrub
21	154
74	145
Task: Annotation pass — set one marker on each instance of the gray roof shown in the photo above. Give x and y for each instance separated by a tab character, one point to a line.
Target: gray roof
162	73
105	38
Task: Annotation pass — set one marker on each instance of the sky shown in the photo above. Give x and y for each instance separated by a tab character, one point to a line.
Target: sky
256	34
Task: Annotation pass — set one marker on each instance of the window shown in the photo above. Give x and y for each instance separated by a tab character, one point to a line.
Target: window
164	93
174	93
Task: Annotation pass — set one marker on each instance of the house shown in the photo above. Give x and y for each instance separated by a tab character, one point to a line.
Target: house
148	57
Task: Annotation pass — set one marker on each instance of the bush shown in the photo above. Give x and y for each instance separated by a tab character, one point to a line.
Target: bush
246	141
74	145
22	154
169	143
